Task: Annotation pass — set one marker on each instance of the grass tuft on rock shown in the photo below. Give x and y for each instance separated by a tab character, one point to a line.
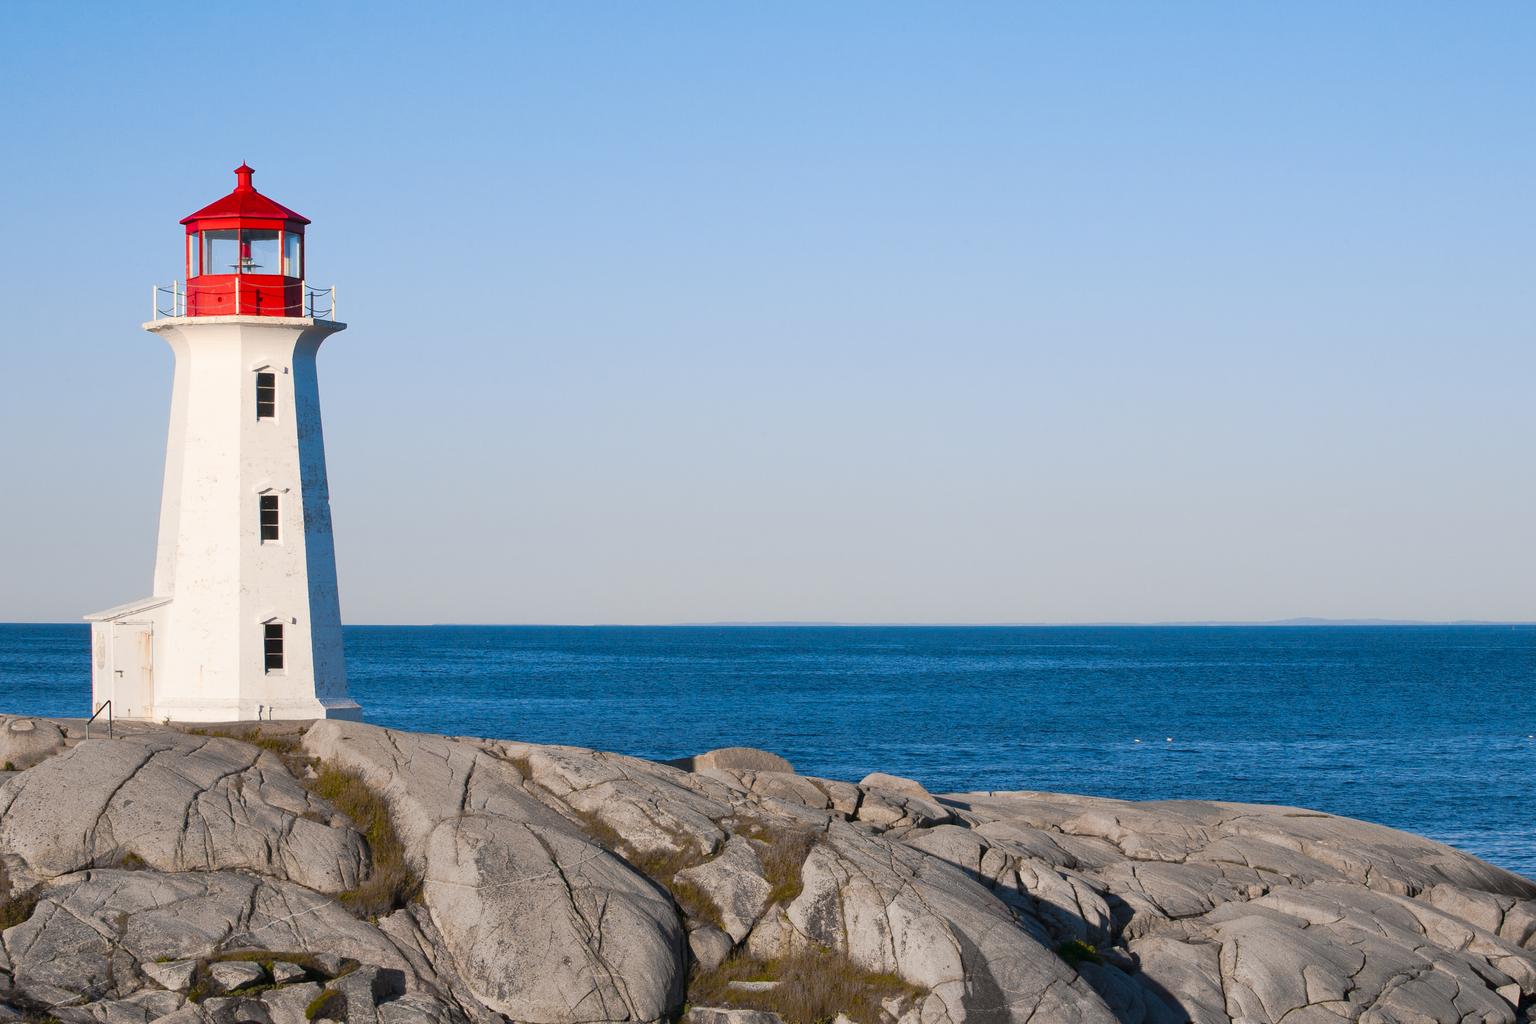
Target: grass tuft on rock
695	902
523	765
391	884
267	957
663	865
814	986
783	856
202	985
287	745
15	909
599	831
660	867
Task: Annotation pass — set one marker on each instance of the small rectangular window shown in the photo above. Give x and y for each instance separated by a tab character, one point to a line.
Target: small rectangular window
269	523
266	396
272	643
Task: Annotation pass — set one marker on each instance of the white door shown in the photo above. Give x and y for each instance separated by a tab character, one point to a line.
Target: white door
133	670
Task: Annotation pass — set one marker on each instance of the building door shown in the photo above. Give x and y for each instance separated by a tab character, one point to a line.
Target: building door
133	670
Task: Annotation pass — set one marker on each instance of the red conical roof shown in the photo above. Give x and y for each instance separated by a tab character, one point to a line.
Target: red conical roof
245	201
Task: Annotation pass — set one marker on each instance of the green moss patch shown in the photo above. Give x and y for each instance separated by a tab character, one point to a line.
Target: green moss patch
328	1005
1076	952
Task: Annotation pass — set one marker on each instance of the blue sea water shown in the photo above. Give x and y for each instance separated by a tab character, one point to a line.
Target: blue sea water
1428	729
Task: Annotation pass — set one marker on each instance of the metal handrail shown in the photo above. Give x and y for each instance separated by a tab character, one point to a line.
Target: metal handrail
106	706
312	301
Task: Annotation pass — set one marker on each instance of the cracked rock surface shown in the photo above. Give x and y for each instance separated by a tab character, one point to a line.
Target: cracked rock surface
167	876
175	802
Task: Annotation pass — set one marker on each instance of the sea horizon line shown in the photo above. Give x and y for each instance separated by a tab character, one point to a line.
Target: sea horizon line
1306	621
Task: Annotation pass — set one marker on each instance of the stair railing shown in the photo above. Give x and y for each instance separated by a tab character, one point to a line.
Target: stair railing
106	706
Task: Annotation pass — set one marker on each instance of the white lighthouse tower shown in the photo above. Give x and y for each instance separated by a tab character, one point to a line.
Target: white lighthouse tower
245	621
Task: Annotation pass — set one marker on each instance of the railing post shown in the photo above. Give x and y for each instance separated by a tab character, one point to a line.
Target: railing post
154	302
333	302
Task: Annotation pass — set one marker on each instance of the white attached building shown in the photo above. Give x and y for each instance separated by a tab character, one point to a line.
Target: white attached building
245	622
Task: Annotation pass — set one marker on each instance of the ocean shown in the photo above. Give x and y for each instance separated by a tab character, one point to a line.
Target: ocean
1425	728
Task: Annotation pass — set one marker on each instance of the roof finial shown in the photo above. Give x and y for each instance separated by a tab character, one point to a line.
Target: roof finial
243	177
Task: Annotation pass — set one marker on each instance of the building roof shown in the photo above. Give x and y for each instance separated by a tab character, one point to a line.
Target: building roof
245	201
143	604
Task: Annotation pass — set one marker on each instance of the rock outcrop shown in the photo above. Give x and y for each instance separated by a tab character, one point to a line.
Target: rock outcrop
26	741
161	875
175	802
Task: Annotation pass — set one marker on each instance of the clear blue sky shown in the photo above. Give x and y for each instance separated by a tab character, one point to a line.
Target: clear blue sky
856	311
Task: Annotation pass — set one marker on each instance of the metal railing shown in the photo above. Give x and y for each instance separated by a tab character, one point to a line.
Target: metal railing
169	301
106	706
178	299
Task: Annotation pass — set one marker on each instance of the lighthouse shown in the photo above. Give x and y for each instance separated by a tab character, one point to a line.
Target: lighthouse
245	621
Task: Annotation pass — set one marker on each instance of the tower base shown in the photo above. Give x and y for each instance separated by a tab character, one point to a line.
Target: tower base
255	711
124	644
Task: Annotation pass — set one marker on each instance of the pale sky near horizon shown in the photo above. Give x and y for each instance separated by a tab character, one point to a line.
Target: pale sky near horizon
870	312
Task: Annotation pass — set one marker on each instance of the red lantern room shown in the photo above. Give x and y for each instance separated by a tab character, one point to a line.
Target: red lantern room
245	256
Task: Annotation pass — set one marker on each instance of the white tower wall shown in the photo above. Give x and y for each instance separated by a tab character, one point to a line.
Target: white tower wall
217	582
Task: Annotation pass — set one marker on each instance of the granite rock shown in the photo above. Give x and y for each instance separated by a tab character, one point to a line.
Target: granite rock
230	975
25	742
553	879
175	802
747	759
734	882
540	922
102	934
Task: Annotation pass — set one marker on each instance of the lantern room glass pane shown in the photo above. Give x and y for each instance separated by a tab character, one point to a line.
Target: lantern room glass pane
291	265
192	255
221	252
259	253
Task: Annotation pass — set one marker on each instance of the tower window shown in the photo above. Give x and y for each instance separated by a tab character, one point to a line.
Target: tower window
269	523
266	396
272	645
